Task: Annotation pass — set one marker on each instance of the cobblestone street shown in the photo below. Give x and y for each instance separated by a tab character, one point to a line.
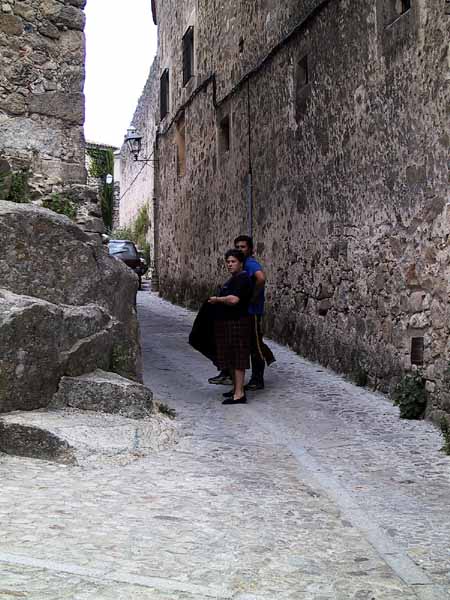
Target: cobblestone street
315	490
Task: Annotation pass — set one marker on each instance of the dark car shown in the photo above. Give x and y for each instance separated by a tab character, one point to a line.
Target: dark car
126	251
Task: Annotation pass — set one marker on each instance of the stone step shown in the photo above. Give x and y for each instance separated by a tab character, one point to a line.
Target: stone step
72	436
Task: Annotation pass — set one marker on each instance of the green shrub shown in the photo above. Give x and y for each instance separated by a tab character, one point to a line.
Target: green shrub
166	410
445	429
137	232
61	205
101	165
410	396
360	377
19	191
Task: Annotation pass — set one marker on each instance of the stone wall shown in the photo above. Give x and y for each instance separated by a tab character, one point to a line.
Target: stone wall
338	111
42	50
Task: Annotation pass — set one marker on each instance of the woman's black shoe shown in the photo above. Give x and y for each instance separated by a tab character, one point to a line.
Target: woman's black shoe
242	400
229	394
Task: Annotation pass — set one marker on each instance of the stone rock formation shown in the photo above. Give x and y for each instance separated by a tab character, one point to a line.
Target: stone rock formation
107	393
79	437
66	307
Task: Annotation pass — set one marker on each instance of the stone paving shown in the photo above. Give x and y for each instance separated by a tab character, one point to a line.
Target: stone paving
315	490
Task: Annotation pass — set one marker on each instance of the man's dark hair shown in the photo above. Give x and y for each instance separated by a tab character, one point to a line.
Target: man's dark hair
236	253
247	239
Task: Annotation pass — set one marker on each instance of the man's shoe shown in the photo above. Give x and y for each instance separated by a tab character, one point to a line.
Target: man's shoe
253	385
229	401
221	379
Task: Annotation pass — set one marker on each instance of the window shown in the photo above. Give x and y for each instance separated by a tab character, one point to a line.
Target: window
188	55
398	27
417	348
302	72
395	9
302	86
164	94
224	135
180	136
402	6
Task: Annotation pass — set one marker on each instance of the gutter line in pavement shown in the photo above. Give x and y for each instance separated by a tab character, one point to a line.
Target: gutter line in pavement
395	557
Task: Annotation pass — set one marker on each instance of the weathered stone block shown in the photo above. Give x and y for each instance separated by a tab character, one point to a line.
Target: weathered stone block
24	10
49	30
21	439
72	17
101	391
66	106
15	104
416	302
78	3
50	8
10	24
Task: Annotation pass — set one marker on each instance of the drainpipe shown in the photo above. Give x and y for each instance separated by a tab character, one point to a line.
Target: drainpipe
249	179
156	196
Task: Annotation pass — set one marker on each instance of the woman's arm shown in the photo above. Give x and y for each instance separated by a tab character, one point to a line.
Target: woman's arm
228	300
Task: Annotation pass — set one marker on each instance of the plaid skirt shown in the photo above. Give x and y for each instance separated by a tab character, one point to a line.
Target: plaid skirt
233	343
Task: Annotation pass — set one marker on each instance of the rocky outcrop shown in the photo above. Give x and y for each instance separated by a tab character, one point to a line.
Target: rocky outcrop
66	307
77	437
105	392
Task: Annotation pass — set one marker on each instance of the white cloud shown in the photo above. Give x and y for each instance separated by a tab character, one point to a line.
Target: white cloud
121	42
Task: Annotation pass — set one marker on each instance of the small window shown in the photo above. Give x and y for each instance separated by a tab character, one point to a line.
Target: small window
417	347
180	135
164	94
188	55
224	135
302	72
394	9
302	86
402	6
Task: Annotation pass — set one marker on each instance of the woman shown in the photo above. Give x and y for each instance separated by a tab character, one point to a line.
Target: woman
232	325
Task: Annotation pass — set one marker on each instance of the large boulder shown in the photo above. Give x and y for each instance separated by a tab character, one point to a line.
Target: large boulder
66	307
41	341
105	392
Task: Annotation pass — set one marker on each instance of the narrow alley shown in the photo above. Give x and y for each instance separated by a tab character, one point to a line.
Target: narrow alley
315	490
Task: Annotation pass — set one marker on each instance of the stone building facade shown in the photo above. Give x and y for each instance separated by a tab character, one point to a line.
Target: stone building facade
42	51
321	127
137	178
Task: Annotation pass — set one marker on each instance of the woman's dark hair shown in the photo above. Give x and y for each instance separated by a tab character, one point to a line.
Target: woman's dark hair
236	253
247	239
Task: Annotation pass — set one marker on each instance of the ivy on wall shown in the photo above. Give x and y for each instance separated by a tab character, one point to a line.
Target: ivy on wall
101	165
15	187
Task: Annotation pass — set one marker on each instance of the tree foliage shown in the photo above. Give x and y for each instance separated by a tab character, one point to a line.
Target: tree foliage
137	232
101	165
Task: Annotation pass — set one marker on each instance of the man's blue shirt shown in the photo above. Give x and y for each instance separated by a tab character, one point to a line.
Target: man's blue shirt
251	266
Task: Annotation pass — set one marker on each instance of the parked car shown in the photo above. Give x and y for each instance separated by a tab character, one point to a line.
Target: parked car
126	251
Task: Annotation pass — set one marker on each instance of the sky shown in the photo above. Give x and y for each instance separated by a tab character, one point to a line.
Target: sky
120	45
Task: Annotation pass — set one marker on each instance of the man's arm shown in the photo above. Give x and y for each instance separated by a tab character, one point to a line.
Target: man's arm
228	300
260	282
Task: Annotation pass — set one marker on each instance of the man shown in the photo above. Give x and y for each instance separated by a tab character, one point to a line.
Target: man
260	352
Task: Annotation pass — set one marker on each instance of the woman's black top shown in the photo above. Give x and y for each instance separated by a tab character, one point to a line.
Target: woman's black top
239	285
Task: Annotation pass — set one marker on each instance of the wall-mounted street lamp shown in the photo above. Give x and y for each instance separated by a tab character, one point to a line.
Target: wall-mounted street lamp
134	142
